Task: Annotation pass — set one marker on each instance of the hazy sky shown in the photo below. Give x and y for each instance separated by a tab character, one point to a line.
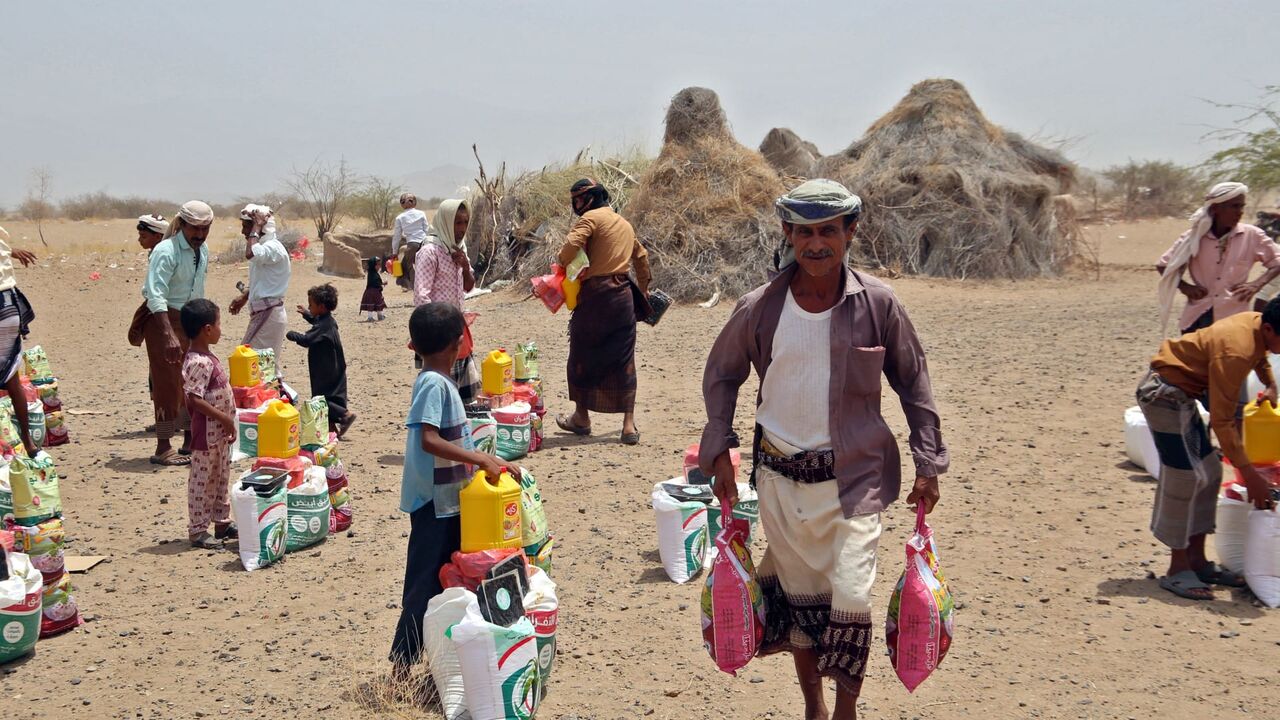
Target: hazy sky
217	99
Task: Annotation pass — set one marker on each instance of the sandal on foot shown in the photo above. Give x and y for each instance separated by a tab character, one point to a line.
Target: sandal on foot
205	541
1185	584
170	458
346	424
226	532
631	438
1214	574
566	424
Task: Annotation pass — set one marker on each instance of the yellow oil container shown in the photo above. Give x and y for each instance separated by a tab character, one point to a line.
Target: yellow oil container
245	372
1262	432
570	289
278	428
490	514
497	373
397	268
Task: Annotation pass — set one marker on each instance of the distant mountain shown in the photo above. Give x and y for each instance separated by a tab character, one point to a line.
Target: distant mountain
443	181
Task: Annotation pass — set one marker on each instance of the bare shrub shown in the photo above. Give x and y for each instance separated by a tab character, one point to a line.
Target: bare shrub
325	190
1153	188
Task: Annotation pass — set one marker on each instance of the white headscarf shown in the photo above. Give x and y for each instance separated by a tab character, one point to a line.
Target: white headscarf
193	212
250	209
1188	245
442	226
156	223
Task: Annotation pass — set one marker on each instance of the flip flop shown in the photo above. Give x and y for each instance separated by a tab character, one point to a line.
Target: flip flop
565	424
171	458
1214	574
226	532
1183	584
205	541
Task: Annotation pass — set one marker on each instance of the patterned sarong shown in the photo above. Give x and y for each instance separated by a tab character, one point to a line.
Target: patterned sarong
1190	471
602	346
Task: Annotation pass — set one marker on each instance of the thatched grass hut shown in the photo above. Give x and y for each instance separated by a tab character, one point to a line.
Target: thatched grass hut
789	154
950	194
704	207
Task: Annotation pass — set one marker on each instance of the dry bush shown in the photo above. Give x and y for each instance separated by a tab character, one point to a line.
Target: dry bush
1153	188
789	154
378	202
948	193
100	205
705	206
519	238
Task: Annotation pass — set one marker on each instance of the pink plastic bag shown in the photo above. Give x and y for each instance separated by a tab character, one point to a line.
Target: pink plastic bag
919	624
732	603
548	288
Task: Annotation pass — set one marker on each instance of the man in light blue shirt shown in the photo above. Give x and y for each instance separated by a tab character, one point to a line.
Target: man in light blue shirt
175	275
269	273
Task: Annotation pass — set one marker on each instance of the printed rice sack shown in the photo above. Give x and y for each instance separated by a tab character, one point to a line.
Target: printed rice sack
43	543
34	481
6	498
514	430
533	519
20	607
682	534
55	429
308	510
918	627
1262	556
36	362
1232	527
313	415
732	602
341	512
542	608
262	524
443	612
499	668
10	436
59	612
267	364
48	392
484	434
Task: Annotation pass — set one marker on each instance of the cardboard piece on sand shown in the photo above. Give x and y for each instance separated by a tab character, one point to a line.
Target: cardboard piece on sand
81	564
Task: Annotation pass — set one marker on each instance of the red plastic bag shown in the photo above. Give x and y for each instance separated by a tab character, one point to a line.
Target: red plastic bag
549	288
468	569
918	627
732	602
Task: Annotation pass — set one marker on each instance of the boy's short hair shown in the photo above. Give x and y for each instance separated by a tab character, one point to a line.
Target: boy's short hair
434	326
326	296
196	314
1271	314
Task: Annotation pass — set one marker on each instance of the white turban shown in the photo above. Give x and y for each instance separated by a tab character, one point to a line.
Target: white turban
1188	245
249	210
194	213
155	223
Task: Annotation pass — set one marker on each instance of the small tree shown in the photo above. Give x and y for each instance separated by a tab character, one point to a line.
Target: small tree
325	191
377	201
1153	187
38	206
1255	157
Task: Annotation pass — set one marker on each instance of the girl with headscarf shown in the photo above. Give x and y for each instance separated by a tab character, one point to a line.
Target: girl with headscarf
15	316
442	273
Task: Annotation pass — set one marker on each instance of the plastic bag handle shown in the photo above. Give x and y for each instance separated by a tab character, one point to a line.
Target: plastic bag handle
920	514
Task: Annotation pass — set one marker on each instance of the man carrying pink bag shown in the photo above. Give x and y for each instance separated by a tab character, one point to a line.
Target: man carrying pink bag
821	336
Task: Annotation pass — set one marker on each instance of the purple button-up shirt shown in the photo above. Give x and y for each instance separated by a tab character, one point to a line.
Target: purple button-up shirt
870	336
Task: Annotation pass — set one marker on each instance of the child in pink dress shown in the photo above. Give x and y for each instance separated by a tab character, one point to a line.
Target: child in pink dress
211	406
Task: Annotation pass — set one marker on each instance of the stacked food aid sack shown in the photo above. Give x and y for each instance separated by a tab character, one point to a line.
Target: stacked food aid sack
21	590
510	408
50	413
296	493
1253	535
688	517
31	502
491	635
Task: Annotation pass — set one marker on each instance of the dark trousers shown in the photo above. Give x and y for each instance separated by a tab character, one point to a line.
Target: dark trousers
432	542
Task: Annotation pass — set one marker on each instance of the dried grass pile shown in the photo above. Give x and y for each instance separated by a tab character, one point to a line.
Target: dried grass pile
704	208
789	154
518	225
950	194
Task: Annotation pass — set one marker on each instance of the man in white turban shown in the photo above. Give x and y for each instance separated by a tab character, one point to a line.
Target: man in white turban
269	273
175	275
1217	254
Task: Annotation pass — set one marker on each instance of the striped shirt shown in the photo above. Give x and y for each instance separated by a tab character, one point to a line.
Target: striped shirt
436	403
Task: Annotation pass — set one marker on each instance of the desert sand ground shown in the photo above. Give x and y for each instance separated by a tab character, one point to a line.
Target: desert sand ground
1042	524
